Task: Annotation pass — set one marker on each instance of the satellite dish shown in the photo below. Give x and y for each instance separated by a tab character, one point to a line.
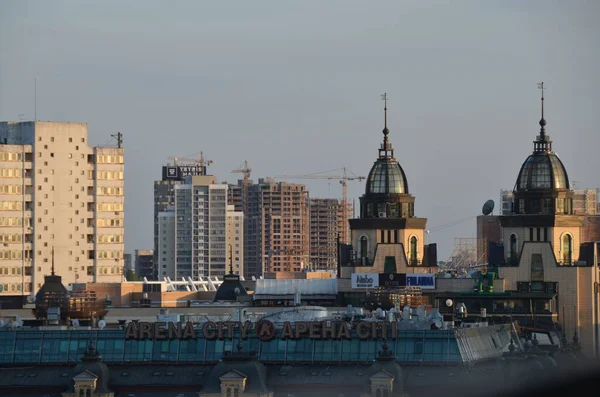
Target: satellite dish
488	207
438	323
449	302
30	299
75	323
101	324
237	291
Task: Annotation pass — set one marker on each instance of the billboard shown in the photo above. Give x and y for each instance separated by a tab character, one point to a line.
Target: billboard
392	279
177	173
365	280
425	281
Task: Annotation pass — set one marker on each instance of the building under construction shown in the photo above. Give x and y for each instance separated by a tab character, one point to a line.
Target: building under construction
326	225
276	220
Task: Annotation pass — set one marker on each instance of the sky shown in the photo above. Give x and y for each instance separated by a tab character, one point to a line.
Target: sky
294	88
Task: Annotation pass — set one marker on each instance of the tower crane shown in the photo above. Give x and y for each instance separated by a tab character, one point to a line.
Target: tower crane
343	177
246	170
201	161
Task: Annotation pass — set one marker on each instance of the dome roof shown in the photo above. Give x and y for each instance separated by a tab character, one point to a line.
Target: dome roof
542	170
386	177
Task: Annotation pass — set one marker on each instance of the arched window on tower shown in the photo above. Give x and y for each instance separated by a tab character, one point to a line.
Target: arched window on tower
413	251
567	249
513	258
364	246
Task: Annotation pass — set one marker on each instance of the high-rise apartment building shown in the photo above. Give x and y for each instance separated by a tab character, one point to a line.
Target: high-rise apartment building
164	197
235	240
277	226
58	194
201	229
326	224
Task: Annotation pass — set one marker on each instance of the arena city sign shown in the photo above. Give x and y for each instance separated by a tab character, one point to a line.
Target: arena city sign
264	329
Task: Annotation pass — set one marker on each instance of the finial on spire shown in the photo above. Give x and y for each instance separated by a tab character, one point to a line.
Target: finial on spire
385	129
542	120
52	272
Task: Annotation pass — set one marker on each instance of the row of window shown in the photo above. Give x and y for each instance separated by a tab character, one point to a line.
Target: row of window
109	222
11	189
110	238
14	221
52	139
110	175
110	207
105	254
12	254
110	191
11	205
109	159
11	173
11	238
9	156
7	271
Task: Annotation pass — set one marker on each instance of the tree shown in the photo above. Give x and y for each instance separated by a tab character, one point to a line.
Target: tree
131	276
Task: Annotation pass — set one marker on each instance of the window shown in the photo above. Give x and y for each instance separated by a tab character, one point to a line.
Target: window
567	249
364	246
513	248
413	250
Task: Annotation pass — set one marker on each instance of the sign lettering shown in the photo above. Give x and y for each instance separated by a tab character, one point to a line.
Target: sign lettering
265	330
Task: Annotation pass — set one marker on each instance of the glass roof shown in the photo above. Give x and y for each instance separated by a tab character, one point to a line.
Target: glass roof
542	171
386	177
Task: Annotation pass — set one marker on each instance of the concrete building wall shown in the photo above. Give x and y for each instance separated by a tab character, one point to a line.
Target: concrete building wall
70	201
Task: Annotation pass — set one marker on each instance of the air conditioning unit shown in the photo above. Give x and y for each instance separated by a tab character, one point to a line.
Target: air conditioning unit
382	214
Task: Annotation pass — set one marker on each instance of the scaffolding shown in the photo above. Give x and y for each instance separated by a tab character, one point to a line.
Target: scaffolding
467	253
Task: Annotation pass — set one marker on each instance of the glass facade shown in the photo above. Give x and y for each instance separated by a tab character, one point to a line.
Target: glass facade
378	182
35	347
544	171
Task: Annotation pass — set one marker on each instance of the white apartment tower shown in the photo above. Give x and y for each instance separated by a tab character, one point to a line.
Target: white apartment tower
200	231
235	240
58	193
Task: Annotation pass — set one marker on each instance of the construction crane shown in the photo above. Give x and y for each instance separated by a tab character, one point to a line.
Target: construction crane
201	161
246	170
344	177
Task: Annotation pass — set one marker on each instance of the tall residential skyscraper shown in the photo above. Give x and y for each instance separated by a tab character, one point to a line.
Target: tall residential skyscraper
58	194
203	228
326	223
277	226
164	197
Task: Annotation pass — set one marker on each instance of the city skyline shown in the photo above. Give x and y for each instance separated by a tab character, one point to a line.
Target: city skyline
258	86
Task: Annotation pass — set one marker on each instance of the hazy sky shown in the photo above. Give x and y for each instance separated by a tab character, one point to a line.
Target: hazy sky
294	88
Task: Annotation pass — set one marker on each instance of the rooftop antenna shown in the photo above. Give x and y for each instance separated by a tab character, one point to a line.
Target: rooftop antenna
384	98
52	272
119	137
35	99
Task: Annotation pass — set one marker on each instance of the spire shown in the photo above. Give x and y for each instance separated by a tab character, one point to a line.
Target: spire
542	144
542	120
386	149
230	259
52	272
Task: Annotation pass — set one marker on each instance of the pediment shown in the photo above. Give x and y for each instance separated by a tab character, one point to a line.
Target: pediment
233	375
382	375
85	376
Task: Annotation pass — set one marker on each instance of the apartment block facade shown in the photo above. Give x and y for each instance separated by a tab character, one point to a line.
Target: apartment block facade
326	223
203	228
58	194
276	226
